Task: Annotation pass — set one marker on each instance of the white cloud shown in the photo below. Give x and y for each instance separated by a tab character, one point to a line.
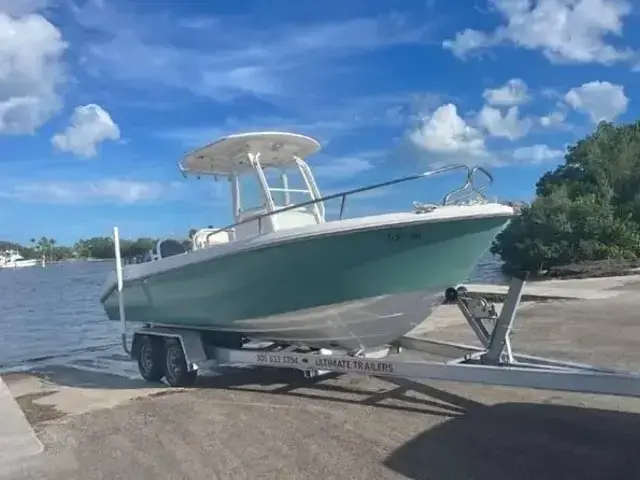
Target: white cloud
514	92
553	118
235	58
599	100
89	126
445	132
508	126
84	192
449	138
31	68
341	168
539	153
325	122
573	31
468	41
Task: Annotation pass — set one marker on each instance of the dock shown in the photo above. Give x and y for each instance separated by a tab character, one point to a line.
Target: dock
253	423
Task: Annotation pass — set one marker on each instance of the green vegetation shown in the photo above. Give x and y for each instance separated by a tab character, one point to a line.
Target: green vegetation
100	248
585	211
37	248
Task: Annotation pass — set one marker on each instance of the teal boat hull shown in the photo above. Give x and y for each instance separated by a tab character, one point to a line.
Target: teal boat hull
349	290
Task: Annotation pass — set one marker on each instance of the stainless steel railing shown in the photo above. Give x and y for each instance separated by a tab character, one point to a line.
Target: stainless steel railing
469	192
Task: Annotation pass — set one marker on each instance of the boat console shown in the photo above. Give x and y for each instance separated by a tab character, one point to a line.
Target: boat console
165	247
268	177
272	187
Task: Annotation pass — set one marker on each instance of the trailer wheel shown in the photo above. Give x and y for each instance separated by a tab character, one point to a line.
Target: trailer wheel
150	358
176	370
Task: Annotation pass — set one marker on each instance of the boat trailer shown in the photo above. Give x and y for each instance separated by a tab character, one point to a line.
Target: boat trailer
176	354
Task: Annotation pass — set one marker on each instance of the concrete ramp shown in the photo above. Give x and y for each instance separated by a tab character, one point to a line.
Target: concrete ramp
533	292
18	441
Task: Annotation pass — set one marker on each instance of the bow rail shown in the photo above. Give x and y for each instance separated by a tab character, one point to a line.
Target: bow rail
469	192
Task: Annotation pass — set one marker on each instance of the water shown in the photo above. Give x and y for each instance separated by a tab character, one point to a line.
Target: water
53	316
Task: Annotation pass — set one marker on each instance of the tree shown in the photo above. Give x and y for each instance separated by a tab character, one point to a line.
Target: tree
45	246
95	248
587	209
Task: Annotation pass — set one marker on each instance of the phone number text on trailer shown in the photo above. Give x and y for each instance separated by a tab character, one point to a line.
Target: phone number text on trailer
346	365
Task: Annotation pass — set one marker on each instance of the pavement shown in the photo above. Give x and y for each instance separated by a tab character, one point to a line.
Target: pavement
578	289
264	424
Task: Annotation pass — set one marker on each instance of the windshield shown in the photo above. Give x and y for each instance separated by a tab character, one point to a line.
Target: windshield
287	185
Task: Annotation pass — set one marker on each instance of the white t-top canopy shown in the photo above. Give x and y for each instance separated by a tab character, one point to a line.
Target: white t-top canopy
230	154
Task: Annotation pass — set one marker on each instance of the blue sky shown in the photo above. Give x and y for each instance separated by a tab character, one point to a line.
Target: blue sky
99	99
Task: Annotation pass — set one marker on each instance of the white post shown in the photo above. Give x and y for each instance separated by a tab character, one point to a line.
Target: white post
285	186
121	312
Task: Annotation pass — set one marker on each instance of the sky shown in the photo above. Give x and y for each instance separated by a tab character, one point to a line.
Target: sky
99	99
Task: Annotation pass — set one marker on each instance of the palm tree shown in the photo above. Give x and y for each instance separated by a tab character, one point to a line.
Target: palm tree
52	249
45	246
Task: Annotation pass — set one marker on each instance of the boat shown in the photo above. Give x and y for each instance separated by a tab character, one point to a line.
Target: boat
13	259
284	272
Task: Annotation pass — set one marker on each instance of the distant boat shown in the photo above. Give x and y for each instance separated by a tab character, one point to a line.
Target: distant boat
13	259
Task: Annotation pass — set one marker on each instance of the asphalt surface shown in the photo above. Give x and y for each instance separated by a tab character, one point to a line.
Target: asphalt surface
260	424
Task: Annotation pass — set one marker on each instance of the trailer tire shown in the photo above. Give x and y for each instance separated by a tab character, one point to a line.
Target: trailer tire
176	370
150	358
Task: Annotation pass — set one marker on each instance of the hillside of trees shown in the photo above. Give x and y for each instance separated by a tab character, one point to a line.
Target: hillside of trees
586	211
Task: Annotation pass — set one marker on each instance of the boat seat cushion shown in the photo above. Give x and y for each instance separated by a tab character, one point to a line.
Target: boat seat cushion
299	217
169	248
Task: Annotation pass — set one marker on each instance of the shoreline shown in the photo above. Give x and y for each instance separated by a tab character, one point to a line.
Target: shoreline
562	289
586	270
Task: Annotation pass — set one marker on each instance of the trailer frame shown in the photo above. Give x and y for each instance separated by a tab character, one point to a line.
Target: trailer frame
177	353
